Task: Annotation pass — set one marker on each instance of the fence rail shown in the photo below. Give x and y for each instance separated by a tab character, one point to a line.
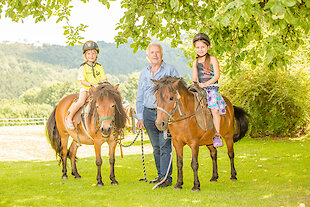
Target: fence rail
23	121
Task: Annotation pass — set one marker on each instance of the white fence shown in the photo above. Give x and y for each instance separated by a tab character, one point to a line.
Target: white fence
23	121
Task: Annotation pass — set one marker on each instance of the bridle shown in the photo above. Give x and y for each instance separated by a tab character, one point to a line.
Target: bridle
174	109
102	119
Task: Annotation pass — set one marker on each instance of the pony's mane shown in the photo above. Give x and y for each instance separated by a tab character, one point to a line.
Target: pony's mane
106	89
167	82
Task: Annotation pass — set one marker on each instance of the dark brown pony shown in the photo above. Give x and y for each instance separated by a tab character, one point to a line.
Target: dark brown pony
171	94
105	121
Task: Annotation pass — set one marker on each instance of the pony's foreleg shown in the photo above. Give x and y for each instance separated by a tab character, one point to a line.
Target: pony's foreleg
72	153
179	152
97	146
112	146
213	154
194	164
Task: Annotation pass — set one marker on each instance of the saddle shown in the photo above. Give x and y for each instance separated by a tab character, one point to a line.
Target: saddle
82	112
204	116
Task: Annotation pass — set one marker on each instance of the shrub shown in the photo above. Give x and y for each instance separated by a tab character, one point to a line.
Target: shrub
278	101
15	109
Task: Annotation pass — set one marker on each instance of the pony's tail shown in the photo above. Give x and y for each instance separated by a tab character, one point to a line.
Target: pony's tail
242	123
52	133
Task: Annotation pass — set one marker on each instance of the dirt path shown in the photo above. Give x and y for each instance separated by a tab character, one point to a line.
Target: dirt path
26	143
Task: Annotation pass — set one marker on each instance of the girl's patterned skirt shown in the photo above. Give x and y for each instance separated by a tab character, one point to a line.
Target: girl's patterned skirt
215	100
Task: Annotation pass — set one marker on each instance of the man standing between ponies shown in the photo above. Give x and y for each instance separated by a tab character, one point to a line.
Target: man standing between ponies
147	111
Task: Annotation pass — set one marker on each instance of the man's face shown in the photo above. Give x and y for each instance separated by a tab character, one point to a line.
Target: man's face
154	54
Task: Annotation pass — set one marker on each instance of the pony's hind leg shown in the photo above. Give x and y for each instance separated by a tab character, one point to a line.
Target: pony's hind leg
112	146
72	153
213	154
64	143
231	155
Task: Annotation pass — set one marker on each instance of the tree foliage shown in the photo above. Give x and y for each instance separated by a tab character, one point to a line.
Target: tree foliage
256	31
41	10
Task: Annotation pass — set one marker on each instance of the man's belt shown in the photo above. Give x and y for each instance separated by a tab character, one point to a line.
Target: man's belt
153	109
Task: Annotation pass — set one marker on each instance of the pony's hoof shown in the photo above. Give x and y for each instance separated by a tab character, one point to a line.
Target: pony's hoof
99	184
77	177
196	189
213	180
114	182
233	179
65	177
177	187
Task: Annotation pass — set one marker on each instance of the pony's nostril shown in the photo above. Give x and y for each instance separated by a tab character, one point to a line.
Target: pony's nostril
163	124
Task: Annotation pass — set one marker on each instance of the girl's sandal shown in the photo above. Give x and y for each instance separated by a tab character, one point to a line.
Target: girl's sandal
217	140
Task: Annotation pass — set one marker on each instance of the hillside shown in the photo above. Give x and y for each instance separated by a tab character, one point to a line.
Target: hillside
26	66
116	61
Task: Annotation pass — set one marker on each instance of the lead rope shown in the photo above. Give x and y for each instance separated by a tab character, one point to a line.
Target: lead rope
163	180
143	162
142	149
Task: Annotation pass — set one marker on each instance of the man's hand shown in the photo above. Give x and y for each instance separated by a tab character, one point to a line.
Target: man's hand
140	124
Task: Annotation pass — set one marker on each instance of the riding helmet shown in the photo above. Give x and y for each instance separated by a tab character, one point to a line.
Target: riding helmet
90	45
203	37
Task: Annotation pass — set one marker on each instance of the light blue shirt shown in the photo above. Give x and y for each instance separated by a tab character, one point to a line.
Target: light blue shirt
145	94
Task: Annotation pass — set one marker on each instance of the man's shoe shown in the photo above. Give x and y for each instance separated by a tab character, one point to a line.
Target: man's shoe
165	184
156	180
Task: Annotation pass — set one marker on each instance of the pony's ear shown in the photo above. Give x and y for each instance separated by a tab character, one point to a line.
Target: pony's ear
92	89
155	81
116	86
176	83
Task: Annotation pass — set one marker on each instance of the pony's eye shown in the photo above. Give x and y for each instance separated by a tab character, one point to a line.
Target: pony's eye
113	105
171	98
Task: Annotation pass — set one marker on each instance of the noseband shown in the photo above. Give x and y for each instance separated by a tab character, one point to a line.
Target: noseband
102	119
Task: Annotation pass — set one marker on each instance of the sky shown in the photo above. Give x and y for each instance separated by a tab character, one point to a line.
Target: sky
100	20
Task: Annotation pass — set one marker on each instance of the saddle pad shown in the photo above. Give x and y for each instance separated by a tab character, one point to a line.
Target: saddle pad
204	116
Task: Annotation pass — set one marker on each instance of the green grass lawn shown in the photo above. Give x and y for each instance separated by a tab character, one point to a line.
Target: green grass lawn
270	173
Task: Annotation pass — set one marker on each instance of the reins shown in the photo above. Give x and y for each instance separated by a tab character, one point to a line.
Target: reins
177	107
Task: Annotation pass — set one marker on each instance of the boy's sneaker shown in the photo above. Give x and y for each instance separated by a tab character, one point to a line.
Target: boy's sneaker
217	141
69	124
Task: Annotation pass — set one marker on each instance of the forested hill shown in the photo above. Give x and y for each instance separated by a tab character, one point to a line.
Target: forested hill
25	66
115	61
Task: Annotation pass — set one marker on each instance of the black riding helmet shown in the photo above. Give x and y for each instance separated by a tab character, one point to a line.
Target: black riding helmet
203	37
90	45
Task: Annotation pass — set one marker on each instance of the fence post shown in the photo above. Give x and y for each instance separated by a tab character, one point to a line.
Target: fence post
44	121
